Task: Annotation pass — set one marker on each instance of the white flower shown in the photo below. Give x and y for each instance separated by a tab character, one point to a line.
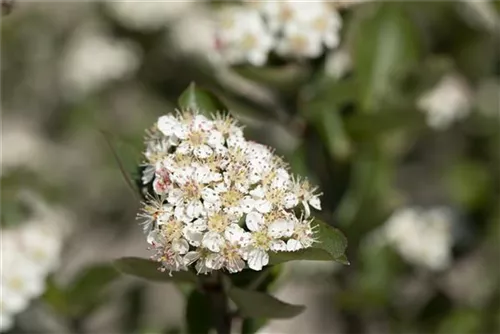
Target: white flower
406	229
147	15
93	59
264	238
338	63
225	210
242	36
449	101
29	252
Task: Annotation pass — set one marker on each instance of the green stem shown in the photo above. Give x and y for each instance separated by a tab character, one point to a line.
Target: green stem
222	318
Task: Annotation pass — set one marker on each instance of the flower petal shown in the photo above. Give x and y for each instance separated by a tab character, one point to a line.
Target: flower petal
254	221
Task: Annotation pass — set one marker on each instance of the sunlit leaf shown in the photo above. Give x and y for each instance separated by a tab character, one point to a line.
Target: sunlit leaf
256	304
147	269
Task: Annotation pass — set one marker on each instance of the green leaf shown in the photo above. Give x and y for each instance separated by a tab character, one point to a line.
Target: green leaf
330	126
198	313
469	183
147	269
56	297
330	246
255	304
251	326
86	291
385	45
285	78
197	99
329	239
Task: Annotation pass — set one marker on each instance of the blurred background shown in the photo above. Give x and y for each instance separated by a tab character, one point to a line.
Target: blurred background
396	119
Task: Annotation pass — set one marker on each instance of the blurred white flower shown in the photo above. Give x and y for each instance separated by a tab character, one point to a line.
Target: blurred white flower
242	36
338	64
23	146
30	251
247	33
448	101
195	34
480	13
93	59
147	15
422	237
221	202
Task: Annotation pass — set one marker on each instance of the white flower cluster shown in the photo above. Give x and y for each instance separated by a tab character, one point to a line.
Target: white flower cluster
221	202
422	237
449	101
247	33
29	253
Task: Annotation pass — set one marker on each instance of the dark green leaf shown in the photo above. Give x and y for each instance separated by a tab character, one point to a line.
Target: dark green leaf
251	326
469	183
255	304
330	126
386	44
197	99
86	291
55	297
147	269
198	313
284	78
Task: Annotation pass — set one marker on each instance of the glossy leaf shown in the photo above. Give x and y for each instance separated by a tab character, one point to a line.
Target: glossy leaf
198	99
256	304
147	269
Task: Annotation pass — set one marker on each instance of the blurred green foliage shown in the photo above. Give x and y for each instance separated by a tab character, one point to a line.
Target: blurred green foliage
360	138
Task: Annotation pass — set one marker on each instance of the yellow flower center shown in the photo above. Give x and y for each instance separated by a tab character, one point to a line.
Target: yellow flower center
249	42
261	239
299	43
172	230
218	223
197	138
231	198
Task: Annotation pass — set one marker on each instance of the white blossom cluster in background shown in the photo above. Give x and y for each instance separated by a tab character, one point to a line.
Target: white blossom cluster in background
249	32
422	237
147	15
450	100
221	202
93	59
29	253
